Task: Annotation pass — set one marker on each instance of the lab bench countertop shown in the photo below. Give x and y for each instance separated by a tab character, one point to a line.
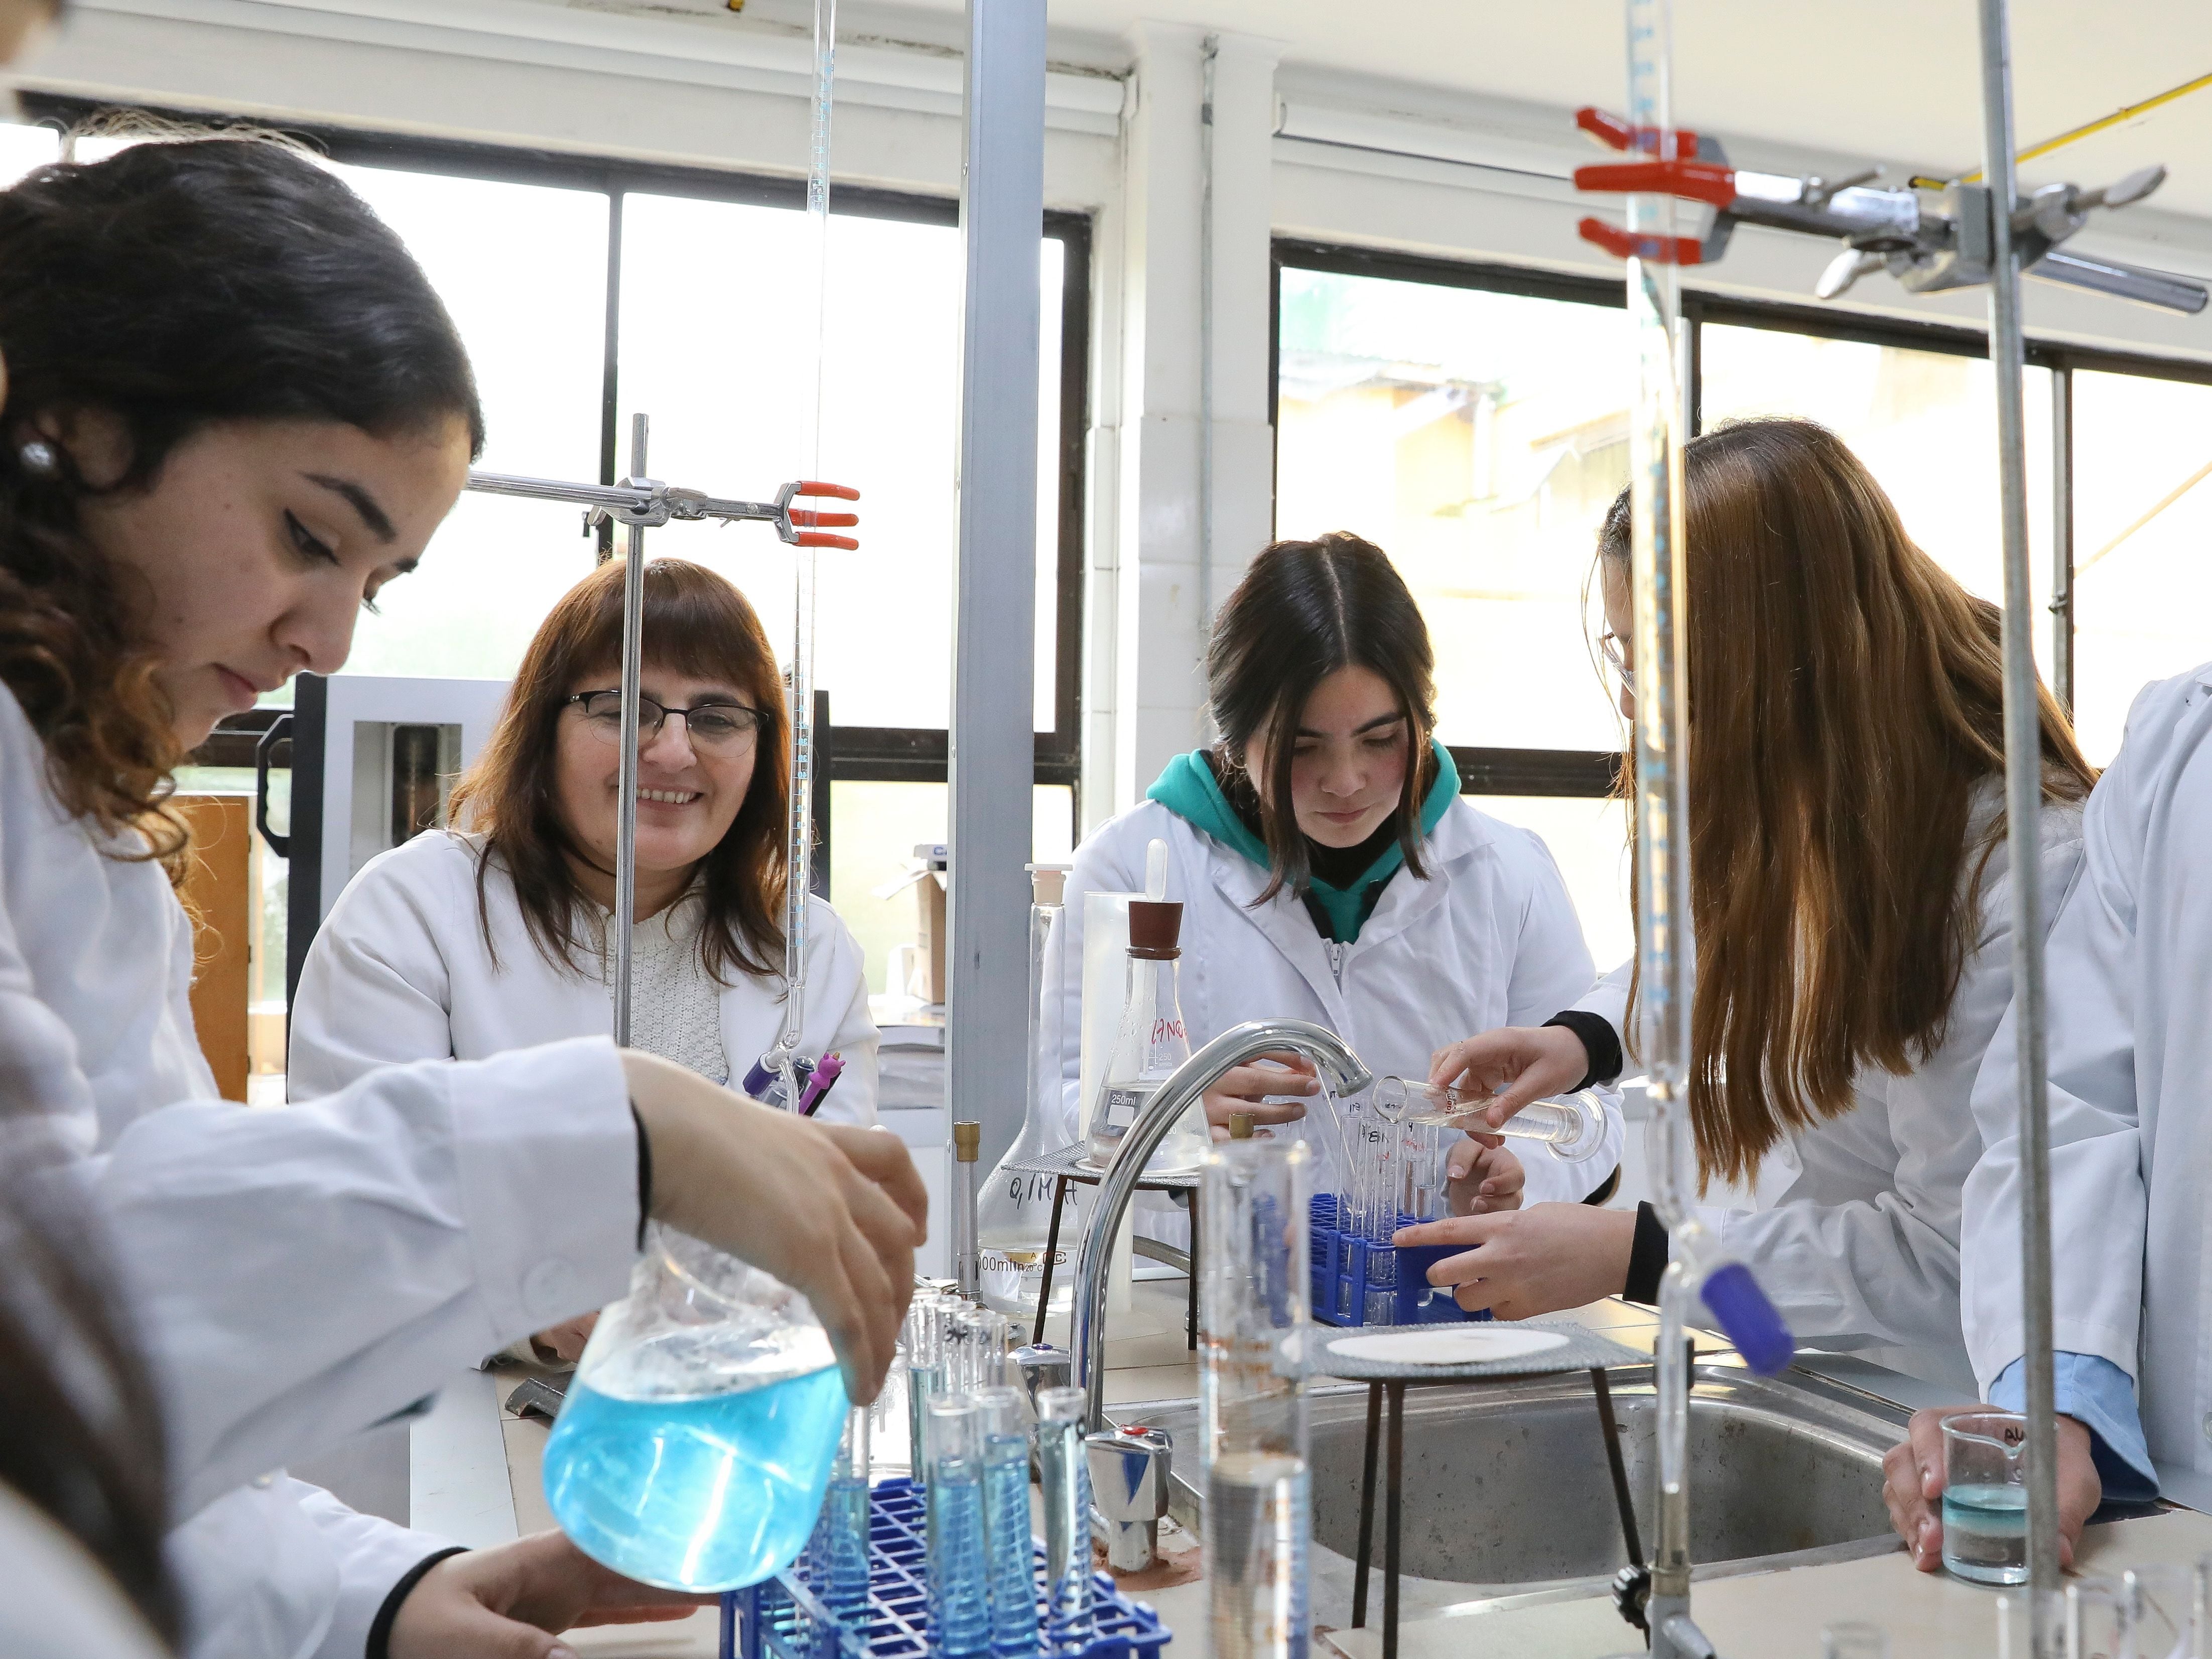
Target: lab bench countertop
476	1476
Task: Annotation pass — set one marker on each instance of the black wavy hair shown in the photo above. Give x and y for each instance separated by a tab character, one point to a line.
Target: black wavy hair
178	285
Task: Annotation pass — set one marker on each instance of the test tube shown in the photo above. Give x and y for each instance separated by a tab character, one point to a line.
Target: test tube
959	1594
1252	1399
843	1577
1572	1125
925	1376
1007	1542
1064	1475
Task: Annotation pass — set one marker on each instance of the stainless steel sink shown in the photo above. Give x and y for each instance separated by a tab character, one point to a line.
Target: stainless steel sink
1507	1499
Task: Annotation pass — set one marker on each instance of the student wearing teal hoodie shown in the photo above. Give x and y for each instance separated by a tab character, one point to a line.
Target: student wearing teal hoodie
1327	866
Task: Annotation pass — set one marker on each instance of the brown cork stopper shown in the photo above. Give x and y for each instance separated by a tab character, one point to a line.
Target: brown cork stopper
967	1142
1155	926
1239	1125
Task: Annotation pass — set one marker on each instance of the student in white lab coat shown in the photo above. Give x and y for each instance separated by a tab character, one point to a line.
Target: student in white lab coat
1851	895
466	944
235	409
1327	867
2130	1050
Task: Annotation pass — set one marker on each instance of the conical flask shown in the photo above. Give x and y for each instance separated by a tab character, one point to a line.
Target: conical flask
1013	1212
1152	1046
696	1441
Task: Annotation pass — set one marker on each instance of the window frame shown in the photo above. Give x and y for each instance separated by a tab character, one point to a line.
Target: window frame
1588	774
866	754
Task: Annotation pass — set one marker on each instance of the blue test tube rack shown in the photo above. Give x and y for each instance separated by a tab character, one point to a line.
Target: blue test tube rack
1343	1275
780	1617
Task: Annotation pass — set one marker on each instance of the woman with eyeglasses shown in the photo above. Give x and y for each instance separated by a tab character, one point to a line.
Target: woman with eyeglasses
1849	884
498	934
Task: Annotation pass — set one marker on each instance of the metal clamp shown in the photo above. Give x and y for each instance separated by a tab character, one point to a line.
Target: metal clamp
1129	1472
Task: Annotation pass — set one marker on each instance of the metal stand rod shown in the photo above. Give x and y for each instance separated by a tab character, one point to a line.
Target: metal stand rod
1610	1427
1367	1506
2023	813
1390	1534
626	810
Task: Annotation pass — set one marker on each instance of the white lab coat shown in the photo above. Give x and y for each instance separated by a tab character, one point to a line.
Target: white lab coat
1857	1236
1489	938
294	1275
2130	1035
398	971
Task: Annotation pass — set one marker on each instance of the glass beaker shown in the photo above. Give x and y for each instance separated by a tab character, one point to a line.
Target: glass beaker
2100	1621
1013	1215
697	1443
1986	1497
1254	1317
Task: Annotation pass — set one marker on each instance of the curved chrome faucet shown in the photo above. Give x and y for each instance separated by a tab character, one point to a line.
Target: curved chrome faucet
1340	1071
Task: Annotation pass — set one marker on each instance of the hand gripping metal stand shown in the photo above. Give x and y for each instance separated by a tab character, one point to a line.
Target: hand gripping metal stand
639	503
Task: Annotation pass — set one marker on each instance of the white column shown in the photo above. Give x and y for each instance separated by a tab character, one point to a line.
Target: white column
1158	560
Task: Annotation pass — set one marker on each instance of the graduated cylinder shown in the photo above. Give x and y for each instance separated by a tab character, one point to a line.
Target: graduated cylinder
1252	1397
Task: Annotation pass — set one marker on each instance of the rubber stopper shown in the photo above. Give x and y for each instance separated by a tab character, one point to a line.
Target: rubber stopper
1748	1320
1239	1125
1155	927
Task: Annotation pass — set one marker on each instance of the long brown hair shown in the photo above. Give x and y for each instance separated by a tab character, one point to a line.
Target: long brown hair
177	286
697	623
1846	701
1303	611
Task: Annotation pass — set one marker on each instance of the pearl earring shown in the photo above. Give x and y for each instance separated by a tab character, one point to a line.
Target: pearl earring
38	458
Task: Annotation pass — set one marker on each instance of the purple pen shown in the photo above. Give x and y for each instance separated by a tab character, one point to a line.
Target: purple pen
826	1072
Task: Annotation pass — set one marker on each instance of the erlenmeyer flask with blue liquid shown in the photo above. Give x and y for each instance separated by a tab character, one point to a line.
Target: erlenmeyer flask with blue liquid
700	1430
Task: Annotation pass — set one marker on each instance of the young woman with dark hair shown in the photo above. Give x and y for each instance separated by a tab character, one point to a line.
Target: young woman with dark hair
1327	865
235	409
1849	872
499	934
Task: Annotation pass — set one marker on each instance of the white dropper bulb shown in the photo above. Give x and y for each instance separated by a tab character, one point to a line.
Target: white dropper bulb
1156	871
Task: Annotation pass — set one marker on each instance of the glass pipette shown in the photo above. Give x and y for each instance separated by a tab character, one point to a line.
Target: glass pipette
1573	1126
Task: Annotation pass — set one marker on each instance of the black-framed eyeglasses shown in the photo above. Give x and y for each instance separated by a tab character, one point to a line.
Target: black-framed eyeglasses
719	728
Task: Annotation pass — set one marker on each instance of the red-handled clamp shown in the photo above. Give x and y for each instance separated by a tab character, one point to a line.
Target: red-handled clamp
805	527
1652	249
1709	182
1616	134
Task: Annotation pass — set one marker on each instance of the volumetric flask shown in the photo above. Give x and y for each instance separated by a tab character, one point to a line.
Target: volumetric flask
1254	1317
1572	1126
1986	1497
700	1428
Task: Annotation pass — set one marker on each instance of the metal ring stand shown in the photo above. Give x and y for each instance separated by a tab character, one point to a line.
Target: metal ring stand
1067	1165
1389	1379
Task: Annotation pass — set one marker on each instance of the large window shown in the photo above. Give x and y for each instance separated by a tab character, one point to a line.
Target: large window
588	291
1473	421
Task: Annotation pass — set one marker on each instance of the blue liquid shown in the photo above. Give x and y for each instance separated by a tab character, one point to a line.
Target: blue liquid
1066	1481
1006	1525
841	1566
1985	1534
959	1597
698	1494
923	1384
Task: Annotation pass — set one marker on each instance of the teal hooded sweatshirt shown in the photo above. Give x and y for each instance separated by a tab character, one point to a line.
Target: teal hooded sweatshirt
1188	788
